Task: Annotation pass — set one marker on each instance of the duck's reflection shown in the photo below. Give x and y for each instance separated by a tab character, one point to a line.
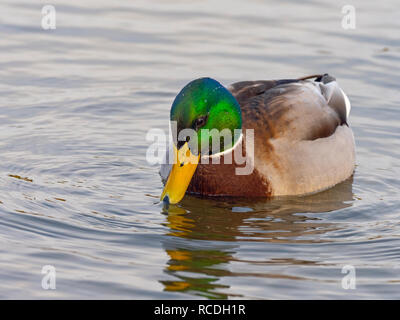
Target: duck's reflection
205	234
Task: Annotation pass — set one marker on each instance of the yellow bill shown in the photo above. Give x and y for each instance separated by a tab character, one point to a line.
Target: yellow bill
185	164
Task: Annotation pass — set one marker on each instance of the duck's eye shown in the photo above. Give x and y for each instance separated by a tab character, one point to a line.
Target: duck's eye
199	122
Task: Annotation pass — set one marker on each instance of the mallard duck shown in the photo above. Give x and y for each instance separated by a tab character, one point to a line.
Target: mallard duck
302	141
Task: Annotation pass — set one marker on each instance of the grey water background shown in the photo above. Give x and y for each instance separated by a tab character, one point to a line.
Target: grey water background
77	193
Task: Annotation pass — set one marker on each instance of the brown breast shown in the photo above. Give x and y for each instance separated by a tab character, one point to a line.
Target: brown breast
220	179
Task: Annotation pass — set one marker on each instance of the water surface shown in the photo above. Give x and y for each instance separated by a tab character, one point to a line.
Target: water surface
77	193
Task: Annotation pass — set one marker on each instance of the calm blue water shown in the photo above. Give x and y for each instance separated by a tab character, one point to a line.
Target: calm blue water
77	193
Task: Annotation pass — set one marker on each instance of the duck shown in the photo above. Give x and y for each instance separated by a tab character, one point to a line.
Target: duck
293	134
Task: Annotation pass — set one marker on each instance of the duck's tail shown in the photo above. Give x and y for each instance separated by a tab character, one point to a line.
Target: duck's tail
334	95
324	78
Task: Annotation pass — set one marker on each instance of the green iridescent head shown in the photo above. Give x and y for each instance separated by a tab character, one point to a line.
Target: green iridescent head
203	105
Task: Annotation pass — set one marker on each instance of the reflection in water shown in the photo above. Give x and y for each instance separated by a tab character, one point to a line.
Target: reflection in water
184	262
216	228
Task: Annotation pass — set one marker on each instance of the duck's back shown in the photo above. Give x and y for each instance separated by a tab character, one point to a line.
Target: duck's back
302	141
